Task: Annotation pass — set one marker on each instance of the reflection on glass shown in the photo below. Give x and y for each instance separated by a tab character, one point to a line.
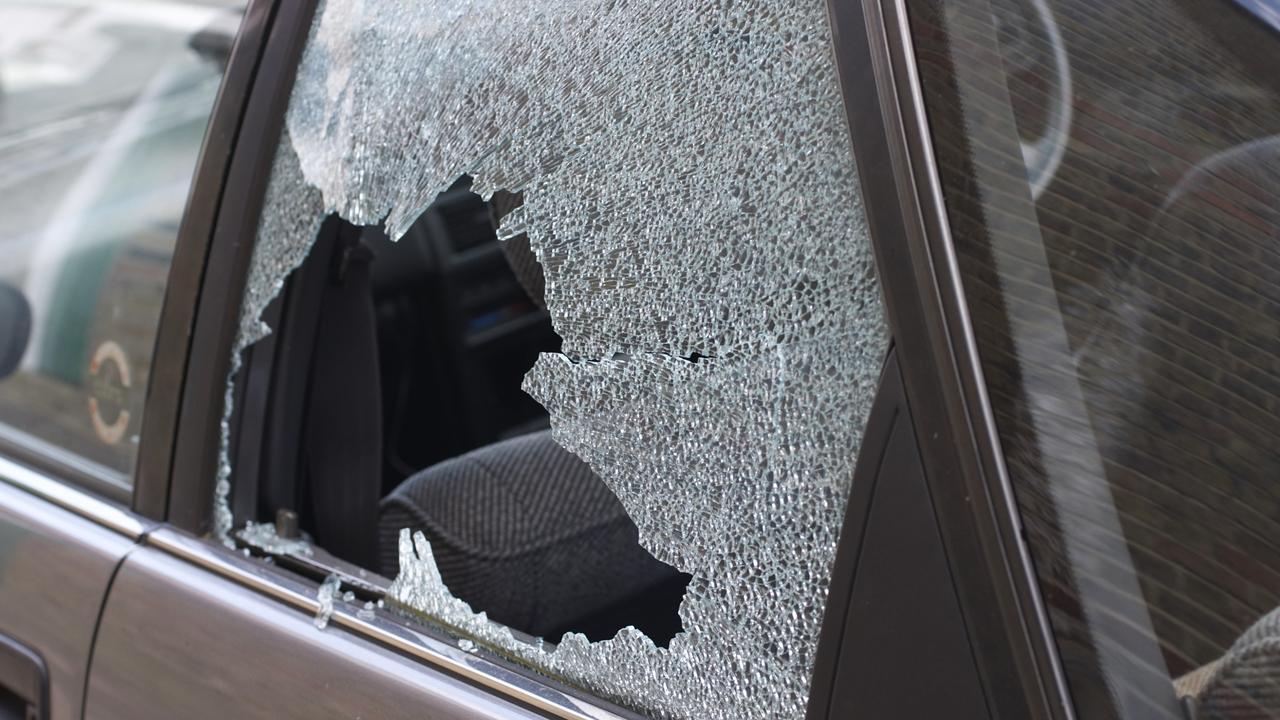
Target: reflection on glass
102	110
1124	280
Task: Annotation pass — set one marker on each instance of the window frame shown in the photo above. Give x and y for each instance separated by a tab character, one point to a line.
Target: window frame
183	289
959	450
204	331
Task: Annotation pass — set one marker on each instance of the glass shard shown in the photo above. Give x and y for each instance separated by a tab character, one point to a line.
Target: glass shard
264	537
325	595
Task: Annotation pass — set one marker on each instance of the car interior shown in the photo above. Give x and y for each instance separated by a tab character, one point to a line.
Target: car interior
404	361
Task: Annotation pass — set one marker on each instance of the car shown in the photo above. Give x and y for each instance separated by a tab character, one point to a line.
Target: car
601	360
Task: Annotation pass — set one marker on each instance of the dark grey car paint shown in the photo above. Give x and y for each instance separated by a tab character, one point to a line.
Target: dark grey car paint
179	641
55	568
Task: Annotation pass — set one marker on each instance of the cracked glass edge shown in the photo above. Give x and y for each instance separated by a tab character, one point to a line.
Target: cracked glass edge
291	215
266	538
328	591
715	136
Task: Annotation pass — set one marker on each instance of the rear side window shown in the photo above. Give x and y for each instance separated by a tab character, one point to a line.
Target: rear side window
1112	177
614	442
102	110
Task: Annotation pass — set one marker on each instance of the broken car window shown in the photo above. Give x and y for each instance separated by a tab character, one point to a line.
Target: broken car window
683	179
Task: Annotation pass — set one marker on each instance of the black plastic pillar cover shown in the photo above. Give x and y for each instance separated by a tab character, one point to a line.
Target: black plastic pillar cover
902	650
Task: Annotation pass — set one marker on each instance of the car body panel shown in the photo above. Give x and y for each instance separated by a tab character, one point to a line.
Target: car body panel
177	640
55	568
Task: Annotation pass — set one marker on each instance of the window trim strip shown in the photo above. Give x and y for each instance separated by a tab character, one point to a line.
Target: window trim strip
69	497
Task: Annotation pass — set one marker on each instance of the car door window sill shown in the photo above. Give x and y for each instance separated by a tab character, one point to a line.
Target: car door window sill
282	578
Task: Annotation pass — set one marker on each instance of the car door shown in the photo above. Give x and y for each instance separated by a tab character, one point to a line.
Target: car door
57	567
828	494
102	111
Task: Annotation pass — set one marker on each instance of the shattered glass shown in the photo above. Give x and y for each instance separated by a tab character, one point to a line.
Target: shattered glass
291	215
689	190
265	537
325	596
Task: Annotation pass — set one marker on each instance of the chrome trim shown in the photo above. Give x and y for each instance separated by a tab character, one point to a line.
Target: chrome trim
108	476
527	690
71	498
384	629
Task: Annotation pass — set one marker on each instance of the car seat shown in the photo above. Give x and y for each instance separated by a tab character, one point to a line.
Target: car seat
525	531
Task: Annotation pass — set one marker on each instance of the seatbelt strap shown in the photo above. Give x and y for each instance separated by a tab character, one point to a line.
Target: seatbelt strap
343	435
